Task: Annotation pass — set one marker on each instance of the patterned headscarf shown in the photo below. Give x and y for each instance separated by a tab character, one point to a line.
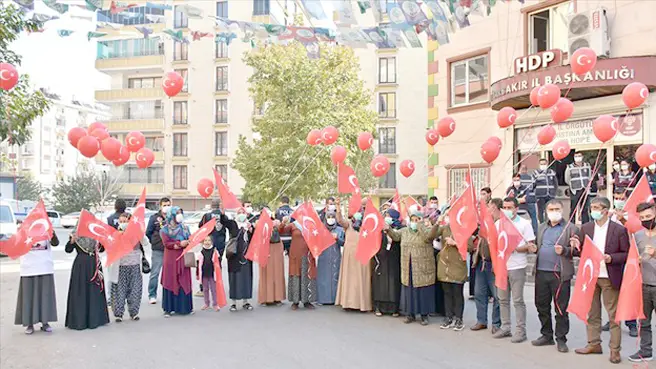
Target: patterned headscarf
395	215
176	231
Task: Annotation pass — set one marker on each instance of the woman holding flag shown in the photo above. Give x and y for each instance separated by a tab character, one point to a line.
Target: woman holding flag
176	277
302	269
271	287
240	269
329	262
386	280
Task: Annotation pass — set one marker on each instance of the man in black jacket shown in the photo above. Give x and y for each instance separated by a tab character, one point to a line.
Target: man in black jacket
155	223
119	208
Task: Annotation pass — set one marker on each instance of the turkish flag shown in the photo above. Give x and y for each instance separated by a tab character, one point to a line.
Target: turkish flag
355	203
35	228
396	204
258	249
465	221
136	229
586	280
199	236
315	233
489	232
641	193
91	227
347	182
629	304
409	202
228	198
370	234
218	276
508	239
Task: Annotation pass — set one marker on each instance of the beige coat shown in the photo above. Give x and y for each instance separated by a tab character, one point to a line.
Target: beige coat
416	247
452	268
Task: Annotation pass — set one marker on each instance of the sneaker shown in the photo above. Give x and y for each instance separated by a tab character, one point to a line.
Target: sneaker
118	320
233	308
543	341
199	294
294	306
562	347
518	338
205	307
136	318
152	301
458	325
633	331
167	315
502	334
605	327
378	313
494	329
424	320
248	306
308	305
29	330
409	319
46	328
447	324
639	357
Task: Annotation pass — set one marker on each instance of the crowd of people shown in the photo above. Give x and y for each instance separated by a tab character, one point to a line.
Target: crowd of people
417	273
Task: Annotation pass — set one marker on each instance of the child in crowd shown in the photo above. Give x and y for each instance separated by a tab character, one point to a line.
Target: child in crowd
206	273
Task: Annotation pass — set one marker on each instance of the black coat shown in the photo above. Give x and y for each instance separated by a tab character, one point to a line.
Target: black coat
243	240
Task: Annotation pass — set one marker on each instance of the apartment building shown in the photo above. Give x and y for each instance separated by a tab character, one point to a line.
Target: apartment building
497	61
199	128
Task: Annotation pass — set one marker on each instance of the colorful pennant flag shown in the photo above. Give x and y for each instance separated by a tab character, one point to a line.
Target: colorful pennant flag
64	32
91	35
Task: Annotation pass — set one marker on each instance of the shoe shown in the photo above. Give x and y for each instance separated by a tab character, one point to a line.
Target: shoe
205	307
248	306
494	329
605	327
152	301
216	308
294	306
308	305
409	319
590	349
136	318
543	341
233	308
635	358
29	330
447	324
615	357
395	315
199	294
471	297
502	334
633	331
167	315
478	327
518	338
378	313
118	320
562	347
458	325
46	328
424	320
490	300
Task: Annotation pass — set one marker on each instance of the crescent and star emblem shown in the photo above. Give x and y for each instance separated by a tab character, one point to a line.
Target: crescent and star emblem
634	264
353	181
460	212
652	156
374	218
165	83
644	93
452	126
502	252
377	168
314	227
371	141
511	118
411	165
613	125
38	221
92	229
2	75
141	157
579	60
588	263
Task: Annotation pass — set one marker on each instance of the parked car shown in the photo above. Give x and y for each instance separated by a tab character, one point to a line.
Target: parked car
69	220
55	218
192	218
8	224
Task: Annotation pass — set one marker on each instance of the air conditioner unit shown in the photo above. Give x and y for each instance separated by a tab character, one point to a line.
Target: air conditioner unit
589	29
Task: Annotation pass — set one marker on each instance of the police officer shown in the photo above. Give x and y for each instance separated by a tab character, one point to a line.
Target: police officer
545	184
285	211
578	176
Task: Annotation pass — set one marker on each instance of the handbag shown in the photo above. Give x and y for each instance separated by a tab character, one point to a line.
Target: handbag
189	260
145	266
231	248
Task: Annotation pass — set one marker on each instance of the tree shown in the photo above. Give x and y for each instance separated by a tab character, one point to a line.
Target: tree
86	190
20	105
28	189
301	94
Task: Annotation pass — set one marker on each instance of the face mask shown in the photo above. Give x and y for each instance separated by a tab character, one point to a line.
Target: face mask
241	218
207	246
596	214
122	226
165	209
578	159
625	167
413	226
543	167
649	224
249	209
332	207
616	167
508	213
619	204
433	206
389	220
330	221
652	167
517	183
179	218
357	216
555	216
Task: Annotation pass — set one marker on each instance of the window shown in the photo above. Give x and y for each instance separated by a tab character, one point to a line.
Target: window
221	50
181	20
221	144
261	7
180	113
179	177
148	82
223	171
179	144
387	141
480	178
221	111
139	15
387	105
138	110
387	70
222	78
180	51
222	9
155	143
184	74
389	179
547	28
470	82
382	5
133	174
129	48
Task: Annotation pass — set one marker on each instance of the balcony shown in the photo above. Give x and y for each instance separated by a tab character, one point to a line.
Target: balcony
134	189
130	94
155	27
144	125
100	159
133	60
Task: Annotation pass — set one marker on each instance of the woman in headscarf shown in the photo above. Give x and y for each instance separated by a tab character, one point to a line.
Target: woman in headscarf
36	291
354	285
302	270
386	282
87	305
240	269
271	288
452	273
417	267
176	277
329	262
130	281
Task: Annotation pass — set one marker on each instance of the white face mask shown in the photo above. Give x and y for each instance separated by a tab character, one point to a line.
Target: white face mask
249	209
517	183
543	166
207	246
330	221
578	159
179	218
555	216
332	207
433	206
652	167
165	209
122	226
625	167
616	167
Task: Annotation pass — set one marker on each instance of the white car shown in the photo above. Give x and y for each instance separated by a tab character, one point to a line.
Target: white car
55	218
8	224
69	220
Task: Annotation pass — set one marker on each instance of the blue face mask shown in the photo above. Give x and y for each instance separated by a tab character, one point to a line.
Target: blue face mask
596	214
357	216
509	214
241	218
389	220
413	226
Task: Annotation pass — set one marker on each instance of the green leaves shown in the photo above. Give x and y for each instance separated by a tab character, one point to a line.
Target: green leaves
86	190
29	189
300	95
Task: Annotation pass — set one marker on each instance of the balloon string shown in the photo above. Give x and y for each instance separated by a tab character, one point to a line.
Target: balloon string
282	188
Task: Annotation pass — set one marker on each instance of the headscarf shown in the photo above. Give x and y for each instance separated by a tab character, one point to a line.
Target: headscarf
331	214
175	231
357	223
396	218
87	244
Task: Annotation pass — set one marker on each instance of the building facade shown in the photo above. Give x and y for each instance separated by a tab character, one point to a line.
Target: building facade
498	60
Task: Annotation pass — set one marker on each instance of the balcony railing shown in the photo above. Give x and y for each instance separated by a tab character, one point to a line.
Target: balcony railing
138	115
132	53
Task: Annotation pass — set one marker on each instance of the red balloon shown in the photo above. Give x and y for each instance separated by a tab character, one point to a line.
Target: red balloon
100	134
379	166
506	117
96	125
604	127
314	137
111	148
562	110
205	187
74	135
583	60
8	76
490	151
135	141
407	168
144	158
496	140
635	94
365	140
561	149
546	135
88	146
329	135
646	155
172	84
432	136
534	95
338	154
446	126
123	156
548	95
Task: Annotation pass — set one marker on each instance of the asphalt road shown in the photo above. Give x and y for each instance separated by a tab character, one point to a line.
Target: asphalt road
271	337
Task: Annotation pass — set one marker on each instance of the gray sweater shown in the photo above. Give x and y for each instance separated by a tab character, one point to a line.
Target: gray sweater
648	262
